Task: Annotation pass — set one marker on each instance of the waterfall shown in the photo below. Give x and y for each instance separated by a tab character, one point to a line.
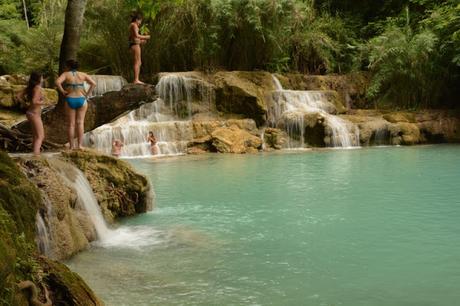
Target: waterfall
106	83
43	237
87	199
296	110
134	236
169	118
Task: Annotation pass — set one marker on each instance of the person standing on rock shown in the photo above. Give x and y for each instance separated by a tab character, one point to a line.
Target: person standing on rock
75	97
34	95
135	42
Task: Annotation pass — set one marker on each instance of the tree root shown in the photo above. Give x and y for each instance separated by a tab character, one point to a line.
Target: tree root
34	293
15	141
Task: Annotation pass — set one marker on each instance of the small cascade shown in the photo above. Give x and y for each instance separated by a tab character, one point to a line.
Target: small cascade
169	118
262	137
106	237
43	237
297	110
106	83
87	199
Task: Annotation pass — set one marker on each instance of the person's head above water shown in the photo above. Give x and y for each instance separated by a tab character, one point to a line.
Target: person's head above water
72	64
151	133
35	78
137	18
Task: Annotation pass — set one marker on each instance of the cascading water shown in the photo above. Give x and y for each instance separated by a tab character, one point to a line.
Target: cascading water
291	107
106	83
43	237
107	237
169	118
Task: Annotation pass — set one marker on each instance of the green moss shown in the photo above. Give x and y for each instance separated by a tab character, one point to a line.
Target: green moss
120	190
19	202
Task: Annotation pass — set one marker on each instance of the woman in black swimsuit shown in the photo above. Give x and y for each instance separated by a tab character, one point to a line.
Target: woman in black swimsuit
135	41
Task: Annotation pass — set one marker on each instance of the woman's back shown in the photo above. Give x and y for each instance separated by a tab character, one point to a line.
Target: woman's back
75	83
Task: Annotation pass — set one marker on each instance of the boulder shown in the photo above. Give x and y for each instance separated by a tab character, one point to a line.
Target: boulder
244	93
119	190
235	140
275	138
203	140
373	130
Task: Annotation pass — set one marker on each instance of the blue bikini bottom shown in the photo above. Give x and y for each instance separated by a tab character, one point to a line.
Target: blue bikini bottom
75	102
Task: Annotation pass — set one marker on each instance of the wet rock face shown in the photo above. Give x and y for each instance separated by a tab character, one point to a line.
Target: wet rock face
275	139
235	140
244	93
20	200
70	227
119	190
406	128
225	136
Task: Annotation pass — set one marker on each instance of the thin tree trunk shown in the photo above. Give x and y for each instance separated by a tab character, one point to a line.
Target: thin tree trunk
73	25
25	13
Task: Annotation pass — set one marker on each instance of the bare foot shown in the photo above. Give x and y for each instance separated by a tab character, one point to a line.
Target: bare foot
138	82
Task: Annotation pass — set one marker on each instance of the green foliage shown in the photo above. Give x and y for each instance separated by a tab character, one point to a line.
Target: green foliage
400	64
413	68
411	47
26	50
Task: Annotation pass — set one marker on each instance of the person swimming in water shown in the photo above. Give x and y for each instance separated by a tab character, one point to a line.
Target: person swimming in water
117	145
34	95
135	42
75	97
153	143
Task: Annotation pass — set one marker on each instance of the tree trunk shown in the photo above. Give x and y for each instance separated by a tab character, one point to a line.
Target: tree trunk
73	25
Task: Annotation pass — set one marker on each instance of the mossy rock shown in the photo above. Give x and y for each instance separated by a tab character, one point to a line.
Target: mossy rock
68	288
19	202
19	197
120	191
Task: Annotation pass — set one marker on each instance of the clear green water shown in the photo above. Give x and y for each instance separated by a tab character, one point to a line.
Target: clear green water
341	227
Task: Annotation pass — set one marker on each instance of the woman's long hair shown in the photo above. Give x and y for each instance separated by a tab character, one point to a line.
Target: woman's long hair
35	79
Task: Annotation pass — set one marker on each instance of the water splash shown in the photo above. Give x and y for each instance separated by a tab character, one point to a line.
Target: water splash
122	237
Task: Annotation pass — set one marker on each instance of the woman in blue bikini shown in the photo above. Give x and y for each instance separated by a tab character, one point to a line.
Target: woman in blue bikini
75	97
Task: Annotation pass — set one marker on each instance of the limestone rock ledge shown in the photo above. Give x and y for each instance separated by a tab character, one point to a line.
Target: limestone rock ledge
119	190
20	201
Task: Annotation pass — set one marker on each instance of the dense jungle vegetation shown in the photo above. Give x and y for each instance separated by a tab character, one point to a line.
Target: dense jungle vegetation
410	48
